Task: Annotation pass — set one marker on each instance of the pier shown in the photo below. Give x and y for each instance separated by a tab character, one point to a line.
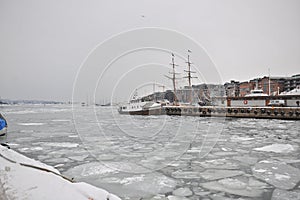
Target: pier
288	113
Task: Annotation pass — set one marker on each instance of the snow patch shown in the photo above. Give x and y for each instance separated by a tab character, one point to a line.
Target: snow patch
41	184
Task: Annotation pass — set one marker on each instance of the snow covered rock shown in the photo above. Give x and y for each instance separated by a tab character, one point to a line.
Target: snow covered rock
24	178
277	173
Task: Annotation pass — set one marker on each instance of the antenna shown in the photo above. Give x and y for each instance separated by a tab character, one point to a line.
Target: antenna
173	78
269	82
189	76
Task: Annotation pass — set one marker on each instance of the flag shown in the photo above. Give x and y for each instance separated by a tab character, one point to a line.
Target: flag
189	51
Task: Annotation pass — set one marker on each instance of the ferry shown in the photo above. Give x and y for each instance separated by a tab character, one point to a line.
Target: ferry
141	107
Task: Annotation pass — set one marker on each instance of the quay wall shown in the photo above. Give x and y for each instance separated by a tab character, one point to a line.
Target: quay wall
292	102
289	113
247	103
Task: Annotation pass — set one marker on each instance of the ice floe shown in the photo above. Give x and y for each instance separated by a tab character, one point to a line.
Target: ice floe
60	144
183	192
220	164
213	174
179	174
234	186
110	175
246	159
171	197
276	173
277	148
279	194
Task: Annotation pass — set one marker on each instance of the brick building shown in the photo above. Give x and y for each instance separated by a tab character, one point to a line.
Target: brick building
276	85
232	89
245	87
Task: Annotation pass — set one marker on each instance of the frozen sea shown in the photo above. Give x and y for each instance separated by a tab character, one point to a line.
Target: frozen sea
161	157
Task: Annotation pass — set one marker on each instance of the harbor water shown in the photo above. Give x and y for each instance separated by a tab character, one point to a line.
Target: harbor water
161	157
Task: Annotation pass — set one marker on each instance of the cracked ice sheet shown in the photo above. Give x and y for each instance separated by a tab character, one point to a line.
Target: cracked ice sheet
111	176
276	173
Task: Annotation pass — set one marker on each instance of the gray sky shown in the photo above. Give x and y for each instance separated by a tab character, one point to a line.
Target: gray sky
43	43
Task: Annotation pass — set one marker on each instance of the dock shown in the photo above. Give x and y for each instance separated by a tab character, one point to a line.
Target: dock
286	113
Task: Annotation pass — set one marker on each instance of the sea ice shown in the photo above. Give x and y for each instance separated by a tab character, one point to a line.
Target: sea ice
220	164
91	169
171	197
240	139
277	173
60	144
277	148
78	158
143	184
109	175
213	174
183	192
279	194
233	186
246	159
186	174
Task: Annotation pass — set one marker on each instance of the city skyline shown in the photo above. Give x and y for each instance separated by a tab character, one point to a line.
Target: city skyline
45	44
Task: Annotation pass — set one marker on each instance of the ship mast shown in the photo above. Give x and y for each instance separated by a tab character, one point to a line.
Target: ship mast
173	78
189	77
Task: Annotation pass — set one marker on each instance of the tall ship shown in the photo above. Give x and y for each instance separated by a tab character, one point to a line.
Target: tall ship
144	106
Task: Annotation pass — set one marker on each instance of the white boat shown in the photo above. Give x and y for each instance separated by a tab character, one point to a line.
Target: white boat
256	93
141	107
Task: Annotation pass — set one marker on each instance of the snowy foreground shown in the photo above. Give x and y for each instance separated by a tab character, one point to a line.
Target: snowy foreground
25	178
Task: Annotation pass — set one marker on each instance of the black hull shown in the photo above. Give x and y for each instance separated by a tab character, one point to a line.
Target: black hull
159	111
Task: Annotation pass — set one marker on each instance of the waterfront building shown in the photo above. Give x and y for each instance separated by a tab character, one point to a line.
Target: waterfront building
291	82
232	89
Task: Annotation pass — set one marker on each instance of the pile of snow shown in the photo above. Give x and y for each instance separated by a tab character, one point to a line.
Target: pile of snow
277	148
25	178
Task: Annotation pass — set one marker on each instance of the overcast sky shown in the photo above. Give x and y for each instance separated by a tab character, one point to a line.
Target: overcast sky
44	43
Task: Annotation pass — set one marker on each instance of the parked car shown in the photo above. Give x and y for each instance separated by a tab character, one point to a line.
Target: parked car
279	103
